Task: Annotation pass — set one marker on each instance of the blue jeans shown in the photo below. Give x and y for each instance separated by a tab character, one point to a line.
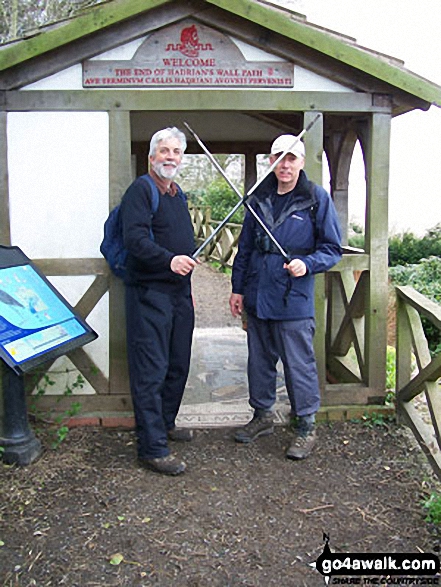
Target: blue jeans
292	342
159	338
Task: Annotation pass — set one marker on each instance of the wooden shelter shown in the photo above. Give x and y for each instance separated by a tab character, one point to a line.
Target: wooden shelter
240	72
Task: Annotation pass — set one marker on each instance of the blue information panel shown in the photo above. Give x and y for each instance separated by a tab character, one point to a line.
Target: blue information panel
36	323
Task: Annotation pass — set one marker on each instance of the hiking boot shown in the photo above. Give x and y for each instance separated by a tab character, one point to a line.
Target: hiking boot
302	445
168	465
258	426
180	434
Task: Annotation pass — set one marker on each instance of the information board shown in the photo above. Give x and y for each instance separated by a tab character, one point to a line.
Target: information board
36	323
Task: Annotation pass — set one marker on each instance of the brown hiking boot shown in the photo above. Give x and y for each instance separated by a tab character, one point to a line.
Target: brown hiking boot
302	445
258	426
168	465
180	434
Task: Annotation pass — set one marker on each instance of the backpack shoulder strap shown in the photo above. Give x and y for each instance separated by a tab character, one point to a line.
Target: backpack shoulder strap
313	208
181	194
154	190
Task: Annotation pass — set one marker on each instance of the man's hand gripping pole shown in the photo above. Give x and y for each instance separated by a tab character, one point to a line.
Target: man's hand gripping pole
243	199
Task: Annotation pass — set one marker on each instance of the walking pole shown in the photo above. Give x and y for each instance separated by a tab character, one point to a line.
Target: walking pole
243	199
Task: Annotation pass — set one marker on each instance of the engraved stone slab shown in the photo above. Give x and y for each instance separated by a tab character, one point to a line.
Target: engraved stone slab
187	54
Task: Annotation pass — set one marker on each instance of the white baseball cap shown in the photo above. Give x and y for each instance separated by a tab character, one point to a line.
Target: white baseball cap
284	142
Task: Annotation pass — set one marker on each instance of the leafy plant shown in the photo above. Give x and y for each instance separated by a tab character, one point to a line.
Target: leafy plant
424	277
221	268
356	236
372	419
433	507
406	248
221	199
390	367
61	431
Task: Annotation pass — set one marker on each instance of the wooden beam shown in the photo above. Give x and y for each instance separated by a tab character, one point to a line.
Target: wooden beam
403	360
349	394
89	370
179	100
431	310
344	369
92	296
422	432
333	395
222	147
431	372
352	261
352	326
419	341
70	267
433	398
98	403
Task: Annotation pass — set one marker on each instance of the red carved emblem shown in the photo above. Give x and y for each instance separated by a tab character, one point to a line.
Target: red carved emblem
189	41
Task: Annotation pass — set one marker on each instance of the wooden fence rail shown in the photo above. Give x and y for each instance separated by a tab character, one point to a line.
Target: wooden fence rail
423	417
223	248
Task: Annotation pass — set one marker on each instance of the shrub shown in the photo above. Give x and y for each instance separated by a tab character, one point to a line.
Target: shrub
407	248
356	235
404	248
433	507
221	199
424	277
390	369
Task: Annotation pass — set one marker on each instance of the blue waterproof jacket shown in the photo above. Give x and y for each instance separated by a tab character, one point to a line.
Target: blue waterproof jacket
307	228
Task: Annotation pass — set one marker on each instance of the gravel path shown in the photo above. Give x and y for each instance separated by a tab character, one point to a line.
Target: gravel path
211	293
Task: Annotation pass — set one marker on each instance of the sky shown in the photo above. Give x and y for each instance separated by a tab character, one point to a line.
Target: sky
409	31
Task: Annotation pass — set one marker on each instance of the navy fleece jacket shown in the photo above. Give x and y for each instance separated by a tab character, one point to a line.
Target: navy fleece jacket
149	260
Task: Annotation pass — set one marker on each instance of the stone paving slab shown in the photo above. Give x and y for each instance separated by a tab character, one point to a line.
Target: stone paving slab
217	389
218	371
214	415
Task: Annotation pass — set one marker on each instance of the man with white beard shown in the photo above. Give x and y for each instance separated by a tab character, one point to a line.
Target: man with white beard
159	306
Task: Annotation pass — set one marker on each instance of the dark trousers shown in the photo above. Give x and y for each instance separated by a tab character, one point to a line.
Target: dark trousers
292	342
159	337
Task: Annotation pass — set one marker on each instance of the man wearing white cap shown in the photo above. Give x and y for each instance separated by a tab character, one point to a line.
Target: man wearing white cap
279	296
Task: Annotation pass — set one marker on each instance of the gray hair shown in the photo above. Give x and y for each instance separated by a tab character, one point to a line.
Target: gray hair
167	133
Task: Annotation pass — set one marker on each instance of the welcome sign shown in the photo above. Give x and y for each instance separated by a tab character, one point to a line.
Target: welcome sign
183	55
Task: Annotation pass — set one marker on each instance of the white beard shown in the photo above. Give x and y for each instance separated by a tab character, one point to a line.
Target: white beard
166	171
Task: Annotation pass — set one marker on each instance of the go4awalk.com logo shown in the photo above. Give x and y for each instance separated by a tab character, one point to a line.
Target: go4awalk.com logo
377	569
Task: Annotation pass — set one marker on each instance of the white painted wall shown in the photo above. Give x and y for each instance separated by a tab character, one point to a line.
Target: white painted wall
58	164
59	182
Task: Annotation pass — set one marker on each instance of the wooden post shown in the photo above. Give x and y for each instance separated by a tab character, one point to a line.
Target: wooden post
5	227
377	247
120	177
250	169
314	149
